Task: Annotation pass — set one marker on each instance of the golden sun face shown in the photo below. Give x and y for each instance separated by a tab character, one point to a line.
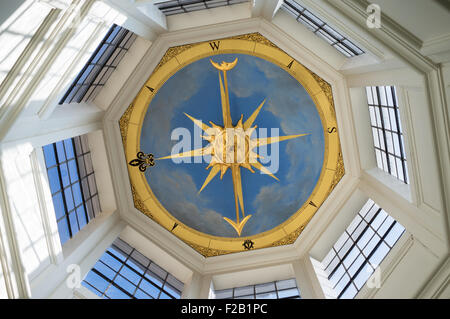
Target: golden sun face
231	146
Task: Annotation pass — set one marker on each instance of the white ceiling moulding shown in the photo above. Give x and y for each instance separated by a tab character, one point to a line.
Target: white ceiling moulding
37	37
163	238
439	285
57	4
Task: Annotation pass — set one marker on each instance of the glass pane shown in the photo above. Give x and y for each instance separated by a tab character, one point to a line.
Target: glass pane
288	293
161	273
58	205
154	278
284	284
111	261
88	162
368	234
60	152
69	148
337	275
342	283
362	277
76	191
135	265
63	229
49	155
64	174
245	297
53	180
77	142
349	293
118	252
115	293
164	296
149	288
141	295
89	208
241	291
267	295
96	281
394	234
73	223
265	287
356	265
379	255
125	284
113	33
96	205
350	258
69	199
371	245
92	184
104	270
130	274
172	291
73	171
224	294
81	216
84	143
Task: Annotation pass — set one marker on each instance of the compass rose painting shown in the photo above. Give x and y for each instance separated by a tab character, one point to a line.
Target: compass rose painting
243	145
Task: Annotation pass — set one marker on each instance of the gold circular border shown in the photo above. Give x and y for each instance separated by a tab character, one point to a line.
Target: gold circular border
298	220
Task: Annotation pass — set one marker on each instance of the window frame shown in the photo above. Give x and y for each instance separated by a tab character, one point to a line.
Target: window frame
174	7
339	260
379	106
254	294
322	29
120	246
102	63
88	199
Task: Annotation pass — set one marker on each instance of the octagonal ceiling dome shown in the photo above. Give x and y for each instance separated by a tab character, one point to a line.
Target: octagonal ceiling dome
232	145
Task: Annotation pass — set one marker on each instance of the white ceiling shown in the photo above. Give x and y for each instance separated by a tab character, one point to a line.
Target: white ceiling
426	19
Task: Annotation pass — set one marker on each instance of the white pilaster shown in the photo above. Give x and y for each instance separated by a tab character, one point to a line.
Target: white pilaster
306	278
198	287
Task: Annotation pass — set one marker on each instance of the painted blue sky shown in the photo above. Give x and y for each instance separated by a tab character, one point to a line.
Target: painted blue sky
195	91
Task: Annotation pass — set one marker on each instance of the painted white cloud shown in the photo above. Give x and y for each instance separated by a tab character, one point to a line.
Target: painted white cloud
176	190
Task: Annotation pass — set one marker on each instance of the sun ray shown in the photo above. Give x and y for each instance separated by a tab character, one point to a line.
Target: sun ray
249	122
215	169
227	122
197	152
223	170
199	123
259	166
271	140
238	197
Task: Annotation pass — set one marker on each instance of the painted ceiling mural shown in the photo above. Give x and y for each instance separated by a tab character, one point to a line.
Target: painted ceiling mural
232	145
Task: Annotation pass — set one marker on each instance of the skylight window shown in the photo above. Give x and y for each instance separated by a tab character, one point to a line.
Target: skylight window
100	66
282	289
124	273
185	6
322	29
387	131
72	184
360	249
